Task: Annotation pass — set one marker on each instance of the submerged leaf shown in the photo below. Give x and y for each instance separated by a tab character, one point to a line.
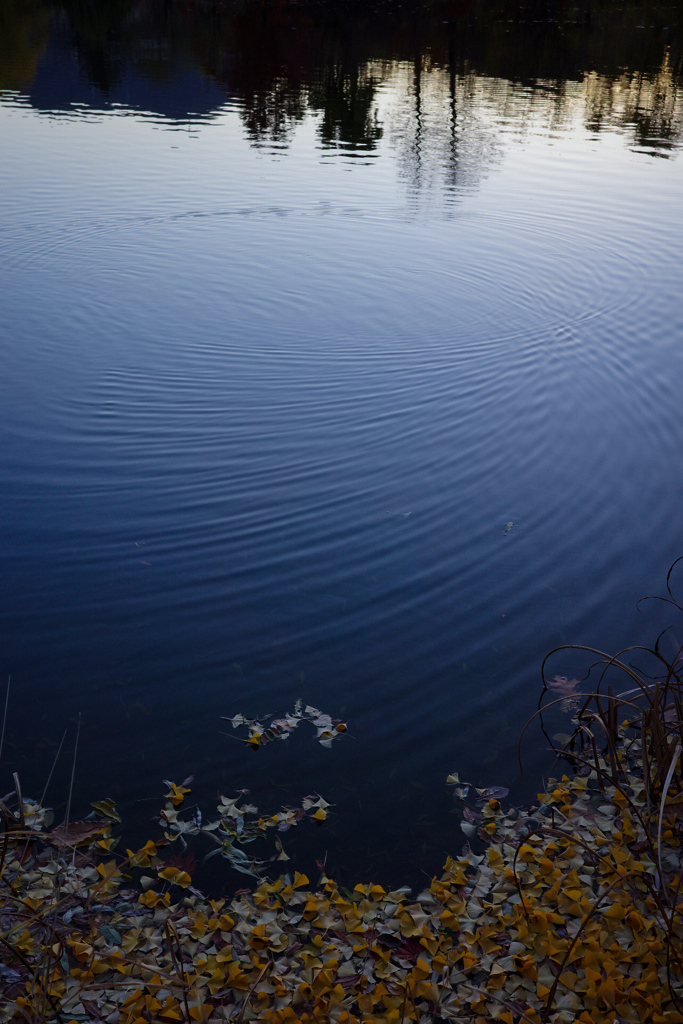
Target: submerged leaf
560	684
107	808
75	833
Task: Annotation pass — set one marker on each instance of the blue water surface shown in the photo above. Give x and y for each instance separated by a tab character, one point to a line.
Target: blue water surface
269	401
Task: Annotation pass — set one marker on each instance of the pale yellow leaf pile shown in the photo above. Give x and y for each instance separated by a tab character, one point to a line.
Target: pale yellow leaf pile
569	912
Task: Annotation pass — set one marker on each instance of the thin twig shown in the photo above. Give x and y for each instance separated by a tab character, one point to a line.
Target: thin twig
73	776
251	991
665	790
405	1000
4	717
54	765
568	952
498	999
20	799
22	959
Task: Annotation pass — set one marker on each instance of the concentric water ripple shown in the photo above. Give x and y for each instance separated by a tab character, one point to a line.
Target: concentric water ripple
266	413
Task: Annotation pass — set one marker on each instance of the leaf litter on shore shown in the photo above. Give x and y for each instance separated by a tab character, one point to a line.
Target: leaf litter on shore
568	911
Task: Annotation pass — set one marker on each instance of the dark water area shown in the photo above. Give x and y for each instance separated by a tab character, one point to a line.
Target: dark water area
300	305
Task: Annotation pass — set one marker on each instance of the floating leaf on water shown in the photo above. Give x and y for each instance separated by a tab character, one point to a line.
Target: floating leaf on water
75	833
236	720
561	738
176	794
107	808
562	685
175	876
281	855
493	792
327	728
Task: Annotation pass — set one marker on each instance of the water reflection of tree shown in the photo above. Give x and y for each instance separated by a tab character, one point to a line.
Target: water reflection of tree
649	105
102	38
24	28
346	98
283	60
452	69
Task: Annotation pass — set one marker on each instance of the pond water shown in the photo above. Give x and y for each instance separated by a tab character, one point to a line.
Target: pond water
301	305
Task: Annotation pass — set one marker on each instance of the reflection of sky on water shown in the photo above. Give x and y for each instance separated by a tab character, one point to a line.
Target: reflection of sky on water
61	86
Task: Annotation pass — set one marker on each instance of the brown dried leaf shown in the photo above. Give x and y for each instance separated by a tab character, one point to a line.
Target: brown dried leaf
75	833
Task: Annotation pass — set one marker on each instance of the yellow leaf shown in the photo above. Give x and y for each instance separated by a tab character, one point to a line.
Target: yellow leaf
538	922
421	970
107	808
153	899
108	870
201	1012
176	794
175	876
449	920
237	978
615	912
25	942
495	859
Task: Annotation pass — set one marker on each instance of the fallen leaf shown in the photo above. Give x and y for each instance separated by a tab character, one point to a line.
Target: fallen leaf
75	833
560	684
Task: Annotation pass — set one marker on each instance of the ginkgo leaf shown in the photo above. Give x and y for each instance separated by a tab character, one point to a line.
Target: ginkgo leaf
175	876
107	808
327	728
281	853
176	794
